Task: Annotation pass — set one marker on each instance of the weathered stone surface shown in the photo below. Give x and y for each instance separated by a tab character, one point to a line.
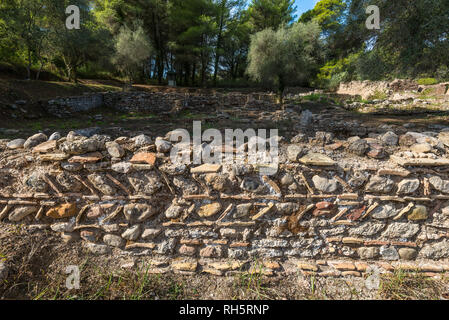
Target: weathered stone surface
82	146
306	118
299	138
185	265
408	186
147	183
437	250
162	145
390	138
173	211
250	184
317	159
439	184
35	140
114	241
211	252
407	253
206	168
98	249
325	185
53	157
420	162
444	138
144	157
16	144
421	147
36	182
389	253
209	210
376	152
20	213
54	136
379	184
418	213
63	226
89	235
132	233
87	158
102	184
122	167
294	152
269	243
142	140
138	212
242	210
114	149
401	230
359	147
367	229
187	250
384	212
150	233
65	210
45	147
72	167
367	253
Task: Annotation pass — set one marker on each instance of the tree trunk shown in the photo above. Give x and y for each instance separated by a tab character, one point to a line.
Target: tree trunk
29	65
281	88
218	47
39	71
193	74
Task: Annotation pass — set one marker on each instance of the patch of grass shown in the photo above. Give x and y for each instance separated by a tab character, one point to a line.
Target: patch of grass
250	284
378	95
137	116
427	81
402	285
427	94
314	97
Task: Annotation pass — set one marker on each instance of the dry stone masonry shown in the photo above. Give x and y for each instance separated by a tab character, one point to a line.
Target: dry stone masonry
158	102
334	207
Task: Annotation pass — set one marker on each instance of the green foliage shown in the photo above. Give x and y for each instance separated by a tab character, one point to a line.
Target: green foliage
133	48
272	14
284	57
335	72
328	13
207	42
427	81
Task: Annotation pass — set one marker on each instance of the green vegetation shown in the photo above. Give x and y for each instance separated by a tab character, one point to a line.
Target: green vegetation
378	95
286	56
231	43
427	81
403	285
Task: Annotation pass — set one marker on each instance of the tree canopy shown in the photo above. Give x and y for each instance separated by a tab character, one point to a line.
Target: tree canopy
213	42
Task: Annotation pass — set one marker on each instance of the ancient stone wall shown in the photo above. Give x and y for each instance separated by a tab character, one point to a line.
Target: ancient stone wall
63	107
333	207
158	102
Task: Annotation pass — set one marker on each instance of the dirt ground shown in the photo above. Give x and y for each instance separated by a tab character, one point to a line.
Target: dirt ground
37	263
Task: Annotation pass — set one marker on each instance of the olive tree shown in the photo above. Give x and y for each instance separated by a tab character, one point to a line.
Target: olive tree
285	57
132	48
